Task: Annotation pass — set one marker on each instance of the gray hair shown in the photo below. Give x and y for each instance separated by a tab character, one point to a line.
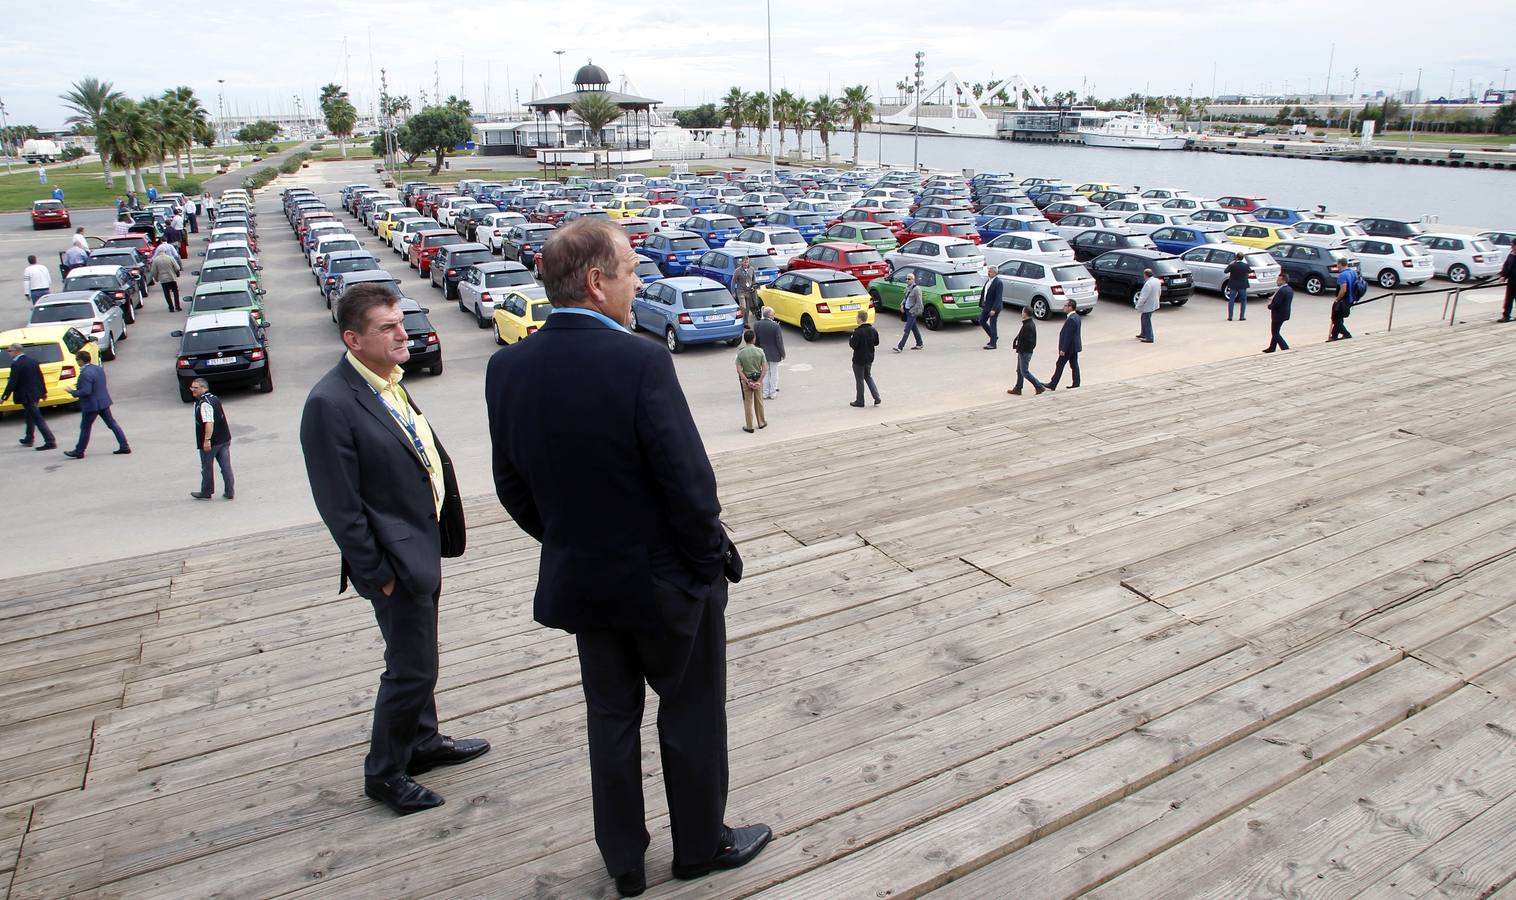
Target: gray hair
14	347
767	312
202	382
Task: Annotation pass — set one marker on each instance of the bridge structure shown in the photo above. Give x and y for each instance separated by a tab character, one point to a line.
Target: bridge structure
949	107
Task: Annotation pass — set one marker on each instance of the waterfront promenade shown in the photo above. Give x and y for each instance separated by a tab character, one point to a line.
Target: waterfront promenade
1241	629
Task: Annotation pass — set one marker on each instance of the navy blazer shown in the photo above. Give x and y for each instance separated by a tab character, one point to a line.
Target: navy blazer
1070	339
25	384
90	389
994	298
596	455
1280	303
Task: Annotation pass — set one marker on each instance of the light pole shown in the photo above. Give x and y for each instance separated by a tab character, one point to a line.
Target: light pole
5	137
221	106
768	18
916	136
560	69
1410	136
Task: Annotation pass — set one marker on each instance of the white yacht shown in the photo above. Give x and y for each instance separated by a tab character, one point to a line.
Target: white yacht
1135	131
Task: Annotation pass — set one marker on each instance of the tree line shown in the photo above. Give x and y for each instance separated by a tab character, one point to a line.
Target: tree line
133	135
825	115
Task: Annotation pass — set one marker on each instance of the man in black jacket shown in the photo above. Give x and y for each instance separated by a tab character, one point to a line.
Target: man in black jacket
1508	272
1238	273
771	342
596	455
27	387
1070	344
385	489
863	341
1279	312
991	301
1024	345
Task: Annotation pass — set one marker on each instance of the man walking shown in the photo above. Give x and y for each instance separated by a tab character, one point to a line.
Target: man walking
1070	344
991	300
165	269
771	341
635	567
1237	274
752	368
1024	345
209	204
384	486
1508	272
36	280
1279	312
1147	303
191	212
745	285
1349	289
911	306
213	438
27	387
863	341
94	403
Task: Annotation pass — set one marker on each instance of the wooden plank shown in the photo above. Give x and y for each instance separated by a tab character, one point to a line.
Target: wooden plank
1475	648
1474	862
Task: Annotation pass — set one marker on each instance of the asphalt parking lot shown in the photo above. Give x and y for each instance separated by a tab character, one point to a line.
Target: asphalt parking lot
104	507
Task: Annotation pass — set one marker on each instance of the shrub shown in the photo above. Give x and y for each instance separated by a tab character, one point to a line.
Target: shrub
271	148
317	146
189	187
72	153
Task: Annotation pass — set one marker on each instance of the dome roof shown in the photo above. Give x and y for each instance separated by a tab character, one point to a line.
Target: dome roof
591	74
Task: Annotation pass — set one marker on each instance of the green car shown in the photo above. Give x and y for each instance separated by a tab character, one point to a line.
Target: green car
948	296
218	270
877	236
228	296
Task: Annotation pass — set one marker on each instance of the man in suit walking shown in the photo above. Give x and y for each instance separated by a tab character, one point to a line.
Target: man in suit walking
1024	345
1070	344
991	300
1238	273
911	306
771	341
29	390
384	486
94	403
863	341
1279	312
634	559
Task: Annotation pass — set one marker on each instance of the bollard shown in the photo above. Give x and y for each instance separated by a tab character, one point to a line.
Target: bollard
1457	292
1391	326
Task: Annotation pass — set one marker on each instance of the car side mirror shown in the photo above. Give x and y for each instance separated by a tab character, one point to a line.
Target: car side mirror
196	272
425	310
177	334
261	292
201	253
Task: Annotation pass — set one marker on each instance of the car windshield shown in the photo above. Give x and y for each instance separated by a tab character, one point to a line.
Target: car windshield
222	300
470	257
875	233
225	273
48	204
1165	266
1287	234
961	228
61	312
227	253
958	281
1259	260
416	321
507	279
212	340
863	257
91	283
805	219
761	261
1053	246
114	258
786	237
707	298
636	227
722	222
355	264
1482	246
687	243
1069	273
443	240
836	290
960	251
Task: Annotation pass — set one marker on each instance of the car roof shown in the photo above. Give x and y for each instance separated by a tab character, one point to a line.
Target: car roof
92	270
679	233
823	275
241	262
66	297
461	248
232	286
223	244
691	282
1229	247
1146	253
500	266
219	319
35	334
367	275
944	239
334	255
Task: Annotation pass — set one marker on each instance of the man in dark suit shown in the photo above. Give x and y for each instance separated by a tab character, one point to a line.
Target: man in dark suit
94	403
991	300
1070	344
596	455
1508	272
27	387
385	489
1279	312
863	340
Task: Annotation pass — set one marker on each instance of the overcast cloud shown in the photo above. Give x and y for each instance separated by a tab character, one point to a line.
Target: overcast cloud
685	53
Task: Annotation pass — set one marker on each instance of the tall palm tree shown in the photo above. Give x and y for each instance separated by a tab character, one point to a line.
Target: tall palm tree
191	113
825	116
734	109
784	101
88	100
339	113
799	114
157	113
756	113
124	133
857	109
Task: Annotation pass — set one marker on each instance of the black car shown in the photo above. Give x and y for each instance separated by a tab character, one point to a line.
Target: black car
749	214
425	346
1092	243
1119	274
1104	197
126	258
1394	228
114	282
342	262
451	261
1308	266
468	220
227	349
522	243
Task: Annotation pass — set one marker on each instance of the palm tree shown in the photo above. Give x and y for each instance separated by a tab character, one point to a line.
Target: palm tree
339	113
733	108
825	115
857	109
191	114
783	102
125	134
596	111
799	112
88	100
756	113
154	111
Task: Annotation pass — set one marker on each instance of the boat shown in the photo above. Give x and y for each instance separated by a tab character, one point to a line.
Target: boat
1134	131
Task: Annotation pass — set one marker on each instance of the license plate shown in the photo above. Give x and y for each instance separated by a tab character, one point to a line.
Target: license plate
222	362
1181	280
848	307
719	317
418	345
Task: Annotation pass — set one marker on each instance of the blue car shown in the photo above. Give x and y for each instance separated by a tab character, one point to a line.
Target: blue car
809	224
999	225
1279	215
673	251
716	228
701	203
687	310
648	271
996	210
1049	187
721	264
1177	239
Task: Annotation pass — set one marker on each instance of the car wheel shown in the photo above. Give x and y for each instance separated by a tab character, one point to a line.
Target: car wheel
1458	274
266	386
1388	279
498	339
1180	302
632	321
671	337
129	313
1039	308
931	317
1314	285
734	342
461	307
481	318
436	370
109	353
124	333
808	328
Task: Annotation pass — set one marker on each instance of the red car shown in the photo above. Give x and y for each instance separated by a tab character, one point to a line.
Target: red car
660	196
49	214
858	260
1056	211
636	229
422	195
426	246
1242	204
550	212
892	219
940	228
303	224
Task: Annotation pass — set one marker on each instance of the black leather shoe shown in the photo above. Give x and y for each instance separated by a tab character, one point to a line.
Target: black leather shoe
401	794
632	883
48	447
74	454
451	753
738	848
199	496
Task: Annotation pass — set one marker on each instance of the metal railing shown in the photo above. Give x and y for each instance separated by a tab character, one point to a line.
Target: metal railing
1449	302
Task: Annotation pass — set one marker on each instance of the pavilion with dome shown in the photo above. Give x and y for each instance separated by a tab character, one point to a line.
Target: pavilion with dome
626	136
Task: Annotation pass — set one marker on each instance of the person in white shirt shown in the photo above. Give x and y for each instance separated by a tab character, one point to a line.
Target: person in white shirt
190	215
79	240
123	226
1147	303
36	280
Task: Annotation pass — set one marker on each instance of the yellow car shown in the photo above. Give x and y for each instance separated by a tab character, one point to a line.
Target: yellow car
1255	234
817	300
520	312
1095	187
627	207
388	221
53	347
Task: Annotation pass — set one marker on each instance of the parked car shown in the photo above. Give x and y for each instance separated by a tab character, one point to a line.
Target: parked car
227	349
1118	274
450	262
340	263
231	250
1222	217
1180	238
1308	266
49	214
1392	228
228	270
1028	245
223	296
115	281
861	261
124	257
519	312
53	347
93	312
719	264
953	254
924	228
688	310
716	228
1327	232
1043	287
422	340
877	236
1390	262
945	296
994	228
522	243
784	244
1460	257
667	216
427	244
1075	223
1054	212
1149	221
1207	265
1241	203
333	243
482	284
809	225
1501	239
348	280
1279	215
817	301
1259	234
673	251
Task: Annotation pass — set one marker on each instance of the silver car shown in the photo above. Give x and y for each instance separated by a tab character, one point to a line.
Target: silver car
1208	263
482	280
92	312
1043	286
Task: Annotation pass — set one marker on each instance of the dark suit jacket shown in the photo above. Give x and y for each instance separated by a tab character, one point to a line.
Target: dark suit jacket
25	384
1279	304
596	455
1070	340
91	390
994	298
373	492
1026	339
770	339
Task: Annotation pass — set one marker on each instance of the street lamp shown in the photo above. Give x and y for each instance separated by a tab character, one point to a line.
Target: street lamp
221	106
768	17
916	137
5	136
560	69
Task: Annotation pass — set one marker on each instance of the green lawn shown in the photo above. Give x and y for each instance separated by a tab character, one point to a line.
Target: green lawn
330	150
241	149
83	187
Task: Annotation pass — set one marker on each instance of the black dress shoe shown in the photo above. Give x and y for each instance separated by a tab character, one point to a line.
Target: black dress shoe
738	848
632	883
74	454
199	496
451	753
48	447
123	451
401	794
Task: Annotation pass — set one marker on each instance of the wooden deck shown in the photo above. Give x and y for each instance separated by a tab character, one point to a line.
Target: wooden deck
1247	629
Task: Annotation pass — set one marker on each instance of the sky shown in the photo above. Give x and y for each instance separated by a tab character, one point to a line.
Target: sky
684	52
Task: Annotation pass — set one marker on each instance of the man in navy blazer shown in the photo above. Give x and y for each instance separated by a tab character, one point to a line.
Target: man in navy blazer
596	455
991	300
1070	343
27	387
94	403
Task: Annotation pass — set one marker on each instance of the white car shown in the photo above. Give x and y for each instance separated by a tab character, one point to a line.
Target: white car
372	214
1044	286
1327	232
843	196
494	226
319	230
1074	223
406	232
1459	257
889	193
1208	263
1186	204
92	312
447	210
1390	262
770	201
631	178
1039	246
1222	217
1133	206
778	241
666	216
397	215
873	203
332	243
1501	239
1163	193
1152	220
949	254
